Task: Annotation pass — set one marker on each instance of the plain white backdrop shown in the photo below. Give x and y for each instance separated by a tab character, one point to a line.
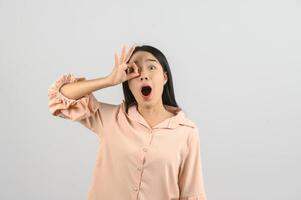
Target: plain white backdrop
236	71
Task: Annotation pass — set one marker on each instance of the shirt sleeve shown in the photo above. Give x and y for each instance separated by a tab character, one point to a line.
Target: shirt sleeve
191	182
86	110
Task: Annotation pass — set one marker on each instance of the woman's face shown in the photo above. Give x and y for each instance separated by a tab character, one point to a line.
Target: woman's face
151	74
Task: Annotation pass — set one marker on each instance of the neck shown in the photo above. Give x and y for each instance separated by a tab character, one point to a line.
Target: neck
152	111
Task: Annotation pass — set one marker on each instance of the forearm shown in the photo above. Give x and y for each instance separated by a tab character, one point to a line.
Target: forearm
79	89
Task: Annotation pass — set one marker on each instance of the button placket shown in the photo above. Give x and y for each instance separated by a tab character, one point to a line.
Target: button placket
139	171
136	191
140	167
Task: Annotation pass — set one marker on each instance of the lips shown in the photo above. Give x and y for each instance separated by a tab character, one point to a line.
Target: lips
146	90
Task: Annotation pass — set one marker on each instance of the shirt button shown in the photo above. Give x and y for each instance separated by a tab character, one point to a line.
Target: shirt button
139	168
145	149
135	189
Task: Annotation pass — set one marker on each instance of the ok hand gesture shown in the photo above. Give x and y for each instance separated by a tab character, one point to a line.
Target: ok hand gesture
122	70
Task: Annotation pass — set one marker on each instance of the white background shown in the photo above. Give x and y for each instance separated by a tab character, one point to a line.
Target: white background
236	71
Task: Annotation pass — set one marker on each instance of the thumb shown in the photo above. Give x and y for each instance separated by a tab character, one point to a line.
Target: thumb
132	75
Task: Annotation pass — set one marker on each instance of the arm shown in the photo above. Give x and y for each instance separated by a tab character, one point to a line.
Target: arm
78	105
72	98
82	87
191	181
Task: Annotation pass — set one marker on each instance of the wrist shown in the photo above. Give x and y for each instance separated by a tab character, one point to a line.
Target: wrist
108	81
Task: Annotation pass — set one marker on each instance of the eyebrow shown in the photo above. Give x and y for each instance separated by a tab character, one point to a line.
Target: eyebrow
147	60
151	60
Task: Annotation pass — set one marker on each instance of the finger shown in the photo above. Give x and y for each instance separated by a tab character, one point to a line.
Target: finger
123	66
131	75
127	71
126	68
135	67
129	53
129	68
116	59
122	54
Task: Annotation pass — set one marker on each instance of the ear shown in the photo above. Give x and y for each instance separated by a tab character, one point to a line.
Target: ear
165	77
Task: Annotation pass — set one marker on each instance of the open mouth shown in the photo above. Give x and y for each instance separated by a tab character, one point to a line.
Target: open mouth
146	90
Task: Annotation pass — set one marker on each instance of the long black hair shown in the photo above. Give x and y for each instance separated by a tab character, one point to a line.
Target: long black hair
168	96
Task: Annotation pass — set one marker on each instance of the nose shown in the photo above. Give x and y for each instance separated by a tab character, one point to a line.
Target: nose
144	75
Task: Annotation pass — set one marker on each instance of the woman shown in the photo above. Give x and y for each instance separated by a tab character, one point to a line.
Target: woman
148	148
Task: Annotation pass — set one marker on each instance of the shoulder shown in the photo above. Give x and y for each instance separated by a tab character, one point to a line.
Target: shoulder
188	122
192	128
106	105
107	109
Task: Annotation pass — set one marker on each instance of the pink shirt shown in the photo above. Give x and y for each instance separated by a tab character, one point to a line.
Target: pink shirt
135	161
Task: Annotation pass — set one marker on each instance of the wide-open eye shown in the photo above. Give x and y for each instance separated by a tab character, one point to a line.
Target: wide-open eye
152	67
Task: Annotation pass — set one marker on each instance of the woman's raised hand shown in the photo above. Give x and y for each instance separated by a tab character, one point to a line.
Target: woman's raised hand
122	70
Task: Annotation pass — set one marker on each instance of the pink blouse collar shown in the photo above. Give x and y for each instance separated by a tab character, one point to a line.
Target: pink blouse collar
170	123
